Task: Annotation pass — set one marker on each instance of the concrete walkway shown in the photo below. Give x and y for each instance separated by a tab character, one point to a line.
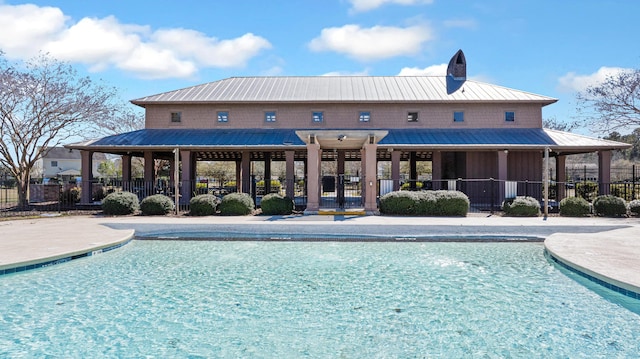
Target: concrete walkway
607	248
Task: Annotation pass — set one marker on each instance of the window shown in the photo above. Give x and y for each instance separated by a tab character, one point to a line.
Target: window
270	116
223	116
365	116
54	163
458	116
509	116
412	117
176	116
317	116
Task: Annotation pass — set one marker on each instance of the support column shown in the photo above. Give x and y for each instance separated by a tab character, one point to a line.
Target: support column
267	173
561	178
314	158
187	179
86	169
290	175
126	172
370	185
502	174
395	169
604	172
436	169
148	167
172	167
245	172
238	177
413	169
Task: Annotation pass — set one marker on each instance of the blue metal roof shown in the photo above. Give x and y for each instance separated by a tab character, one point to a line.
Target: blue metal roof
468	137
423	137
202	137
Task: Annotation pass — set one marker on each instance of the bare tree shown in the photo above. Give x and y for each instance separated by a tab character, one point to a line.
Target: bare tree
44	102
553	124
612	104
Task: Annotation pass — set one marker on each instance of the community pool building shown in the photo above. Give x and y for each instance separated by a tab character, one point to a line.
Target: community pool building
483	139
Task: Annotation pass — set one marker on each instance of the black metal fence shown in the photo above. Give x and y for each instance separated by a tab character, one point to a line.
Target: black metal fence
484	194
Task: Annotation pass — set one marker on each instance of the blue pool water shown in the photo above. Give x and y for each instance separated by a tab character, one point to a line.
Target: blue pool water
312	299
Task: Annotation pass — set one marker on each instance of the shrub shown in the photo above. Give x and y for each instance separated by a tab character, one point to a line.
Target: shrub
634	207
587	190
203	205
274	203
236	204
157	204
574	207
451	203
425	203
70	195
521	207
119	203
609	206
407	185
398	203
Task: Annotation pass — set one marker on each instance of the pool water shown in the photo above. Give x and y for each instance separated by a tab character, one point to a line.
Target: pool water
311	299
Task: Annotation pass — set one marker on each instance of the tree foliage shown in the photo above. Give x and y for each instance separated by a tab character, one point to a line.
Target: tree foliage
633	139
43	103
612	104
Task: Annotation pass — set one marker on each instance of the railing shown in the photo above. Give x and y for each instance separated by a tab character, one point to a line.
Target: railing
484	194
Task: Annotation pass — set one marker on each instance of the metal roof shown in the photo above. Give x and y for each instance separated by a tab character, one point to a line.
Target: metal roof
343	89
429	138
200	138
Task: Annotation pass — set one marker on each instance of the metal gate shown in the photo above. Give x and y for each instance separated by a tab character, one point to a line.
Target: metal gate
341	192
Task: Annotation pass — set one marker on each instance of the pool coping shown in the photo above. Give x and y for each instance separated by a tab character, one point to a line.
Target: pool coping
62	258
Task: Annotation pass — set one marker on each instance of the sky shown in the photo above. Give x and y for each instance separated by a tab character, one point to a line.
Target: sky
144	47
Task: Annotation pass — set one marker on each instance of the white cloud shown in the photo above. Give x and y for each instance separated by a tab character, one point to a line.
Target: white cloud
30	28
105	43
373	43
366	5
433	70
572	82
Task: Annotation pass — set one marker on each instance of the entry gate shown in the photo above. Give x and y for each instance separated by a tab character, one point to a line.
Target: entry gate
341	192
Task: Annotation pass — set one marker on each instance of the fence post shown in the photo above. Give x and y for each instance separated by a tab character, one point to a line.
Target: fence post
493	194
633	182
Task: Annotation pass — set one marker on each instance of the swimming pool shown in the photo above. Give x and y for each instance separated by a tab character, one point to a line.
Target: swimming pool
312	299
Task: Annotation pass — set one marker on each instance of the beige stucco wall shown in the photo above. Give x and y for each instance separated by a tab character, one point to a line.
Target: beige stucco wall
343	116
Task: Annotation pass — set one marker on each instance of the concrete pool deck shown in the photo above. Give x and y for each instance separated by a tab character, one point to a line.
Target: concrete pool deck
605	248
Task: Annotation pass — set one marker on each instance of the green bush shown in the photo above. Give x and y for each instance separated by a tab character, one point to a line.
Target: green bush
587	190
398	203
203	205
236	204
407	185
521	207
274	204
157	204
70	195
634	207
574	207
451	203
425	203
120	203
609	206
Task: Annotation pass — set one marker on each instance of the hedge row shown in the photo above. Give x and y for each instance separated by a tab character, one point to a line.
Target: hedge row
425	203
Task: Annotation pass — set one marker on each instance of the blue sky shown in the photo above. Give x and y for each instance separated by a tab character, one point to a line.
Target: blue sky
549	47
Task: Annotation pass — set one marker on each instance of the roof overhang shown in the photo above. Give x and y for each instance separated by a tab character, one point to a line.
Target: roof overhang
481	139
